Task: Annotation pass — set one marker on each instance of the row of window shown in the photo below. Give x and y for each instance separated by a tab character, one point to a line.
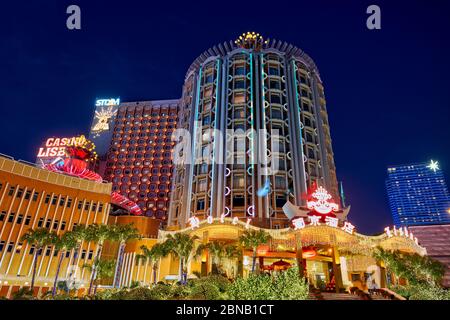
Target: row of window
11	245
53	200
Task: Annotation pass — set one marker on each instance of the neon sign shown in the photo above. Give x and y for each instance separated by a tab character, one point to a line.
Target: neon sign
314	221
107	102
322	204
194	222
56	147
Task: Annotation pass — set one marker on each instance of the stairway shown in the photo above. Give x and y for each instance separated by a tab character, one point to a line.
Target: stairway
339	296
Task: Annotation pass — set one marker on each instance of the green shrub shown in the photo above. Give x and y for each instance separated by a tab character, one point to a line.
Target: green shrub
212	287
23	294
289	286
285	286
422	292
255	287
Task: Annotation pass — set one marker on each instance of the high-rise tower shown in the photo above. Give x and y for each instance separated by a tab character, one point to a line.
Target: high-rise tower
236	97
418	194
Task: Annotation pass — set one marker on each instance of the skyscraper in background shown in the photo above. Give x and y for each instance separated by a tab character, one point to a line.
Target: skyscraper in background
139	154
418	194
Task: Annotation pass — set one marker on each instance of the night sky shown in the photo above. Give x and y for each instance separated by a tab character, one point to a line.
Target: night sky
388	90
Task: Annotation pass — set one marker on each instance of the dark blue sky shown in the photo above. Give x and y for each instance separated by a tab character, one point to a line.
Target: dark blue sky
388	91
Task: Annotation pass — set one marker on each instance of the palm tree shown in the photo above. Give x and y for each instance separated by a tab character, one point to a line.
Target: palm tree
153	255
252	239
40	238
216	250
122	234
182	245
104	269
79	232
97	233
65	243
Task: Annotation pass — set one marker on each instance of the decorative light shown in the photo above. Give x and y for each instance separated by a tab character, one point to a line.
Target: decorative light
434	165
332	222
348	227
322	204
298	223
314	220
194	222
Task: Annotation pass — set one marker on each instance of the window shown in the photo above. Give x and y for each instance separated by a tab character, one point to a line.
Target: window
19	193
11	217
275	98
206	120
48	251
35	196
86	206
239	71
27	220
203	168
61	201
63	225
274	84
273	71
27	195
2	245
202	185
238	201
47	198
2	215
69	203
19	247
91	253
100	207
54	199
277	114
80	205
238	181
19	219
10	247
239	98
67	254
239	84
280	182
55	224
239	113
280	201
201	204
11	191
83	254
48	223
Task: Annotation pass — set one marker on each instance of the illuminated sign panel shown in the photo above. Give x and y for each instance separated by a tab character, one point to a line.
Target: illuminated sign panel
55	147
103	123
107	102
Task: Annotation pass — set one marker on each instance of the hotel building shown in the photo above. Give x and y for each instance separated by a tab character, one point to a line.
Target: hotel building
31	198
418	194
251	89
139	158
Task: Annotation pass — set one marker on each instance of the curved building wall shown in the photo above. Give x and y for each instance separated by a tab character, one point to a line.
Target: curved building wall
274	89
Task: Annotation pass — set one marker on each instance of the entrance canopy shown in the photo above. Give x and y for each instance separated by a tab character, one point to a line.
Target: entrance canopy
288	239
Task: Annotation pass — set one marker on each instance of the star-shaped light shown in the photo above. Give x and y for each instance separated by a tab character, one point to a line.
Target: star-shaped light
434	165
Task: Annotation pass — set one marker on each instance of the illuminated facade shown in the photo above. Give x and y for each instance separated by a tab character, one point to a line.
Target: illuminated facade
31	198
139	159
418	194
253	89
